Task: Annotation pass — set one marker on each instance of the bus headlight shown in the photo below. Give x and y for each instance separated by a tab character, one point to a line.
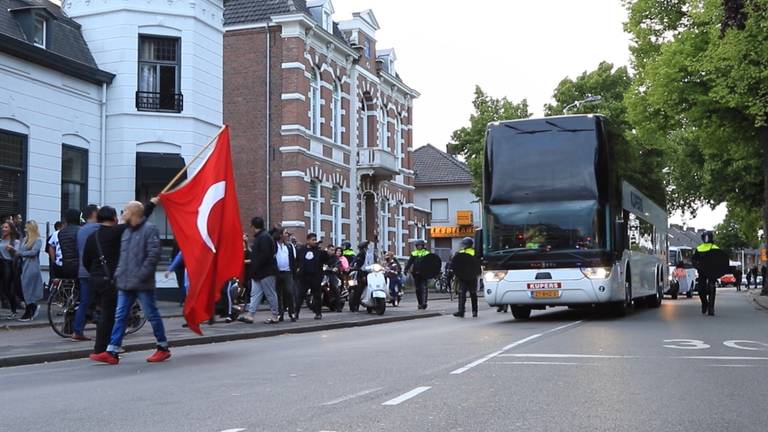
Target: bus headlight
494	276
596	272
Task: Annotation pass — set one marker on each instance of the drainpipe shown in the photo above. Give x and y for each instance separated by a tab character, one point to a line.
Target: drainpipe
103	145
269	138
354	183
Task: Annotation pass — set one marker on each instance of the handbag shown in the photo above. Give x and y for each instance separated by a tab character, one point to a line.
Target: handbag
103	260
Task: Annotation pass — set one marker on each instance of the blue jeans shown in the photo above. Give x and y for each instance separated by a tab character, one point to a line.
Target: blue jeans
82	308
395	285
125	300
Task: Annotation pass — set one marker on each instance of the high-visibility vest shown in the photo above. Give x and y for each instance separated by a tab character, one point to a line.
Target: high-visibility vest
418	253
706	247
468	251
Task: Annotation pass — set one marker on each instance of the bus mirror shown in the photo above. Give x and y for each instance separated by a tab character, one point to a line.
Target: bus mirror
479	243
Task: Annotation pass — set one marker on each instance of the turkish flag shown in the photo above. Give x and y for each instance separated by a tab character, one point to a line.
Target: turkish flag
205	219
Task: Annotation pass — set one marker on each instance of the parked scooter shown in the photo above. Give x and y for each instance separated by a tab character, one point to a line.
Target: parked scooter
333	296
374	297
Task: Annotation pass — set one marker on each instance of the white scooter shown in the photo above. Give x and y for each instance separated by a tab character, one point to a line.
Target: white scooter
374	297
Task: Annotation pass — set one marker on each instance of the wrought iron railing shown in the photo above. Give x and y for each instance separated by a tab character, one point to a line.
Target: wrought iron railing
159	101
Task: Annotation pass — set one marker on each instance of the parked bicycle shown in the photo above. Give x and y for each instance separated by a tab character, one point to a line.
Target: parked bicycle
446	283
63	302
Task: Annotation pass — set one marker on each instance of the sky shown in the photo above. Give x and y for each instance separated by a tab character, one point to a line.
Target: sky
520	49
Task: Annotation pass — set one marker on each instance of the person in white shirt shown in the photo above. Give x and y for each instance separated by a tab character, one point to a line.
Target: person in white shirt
54	252
285	256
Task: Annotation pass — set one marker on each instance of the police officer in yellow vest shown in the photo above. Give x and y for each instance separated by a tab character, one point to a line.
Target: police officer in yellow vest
413	263
707	288
467	277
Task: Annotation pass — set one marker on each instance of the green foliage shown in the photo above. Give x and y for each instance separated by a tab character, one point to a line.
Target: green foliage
702	96
469	141
738	230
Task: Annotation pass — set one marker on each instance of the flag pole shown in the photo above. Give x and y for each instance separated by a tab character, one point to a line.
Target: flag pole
197	156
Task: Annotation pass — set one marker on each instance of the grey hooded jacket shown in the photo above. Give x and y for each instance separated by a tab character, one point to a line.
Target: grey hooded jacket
139	255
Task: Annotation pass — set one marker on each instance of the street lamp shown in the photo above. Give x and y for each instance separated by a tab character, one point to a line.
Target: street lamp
578	104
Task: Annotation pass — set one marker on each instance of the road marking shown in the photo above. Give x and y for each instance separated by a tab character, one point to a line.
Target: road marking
721	358
567	355
686	344
404	397
233	430
509	347
351	396
738	344
733	366
542	363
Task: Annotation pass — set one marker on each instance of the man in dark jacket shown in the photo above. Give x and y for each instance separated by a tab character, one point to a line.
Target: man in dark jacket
467	269
285	257
70	259
413	265
311	260
135	279
263	272
359	263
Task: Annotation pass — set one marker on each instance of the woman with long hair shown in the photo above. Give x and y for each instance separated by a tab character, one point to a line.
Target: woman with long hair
8	245
31	278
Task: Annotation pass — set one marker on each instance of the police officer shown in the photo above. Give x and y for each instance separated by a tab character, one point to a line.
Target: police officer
466	271
348	252
707	288
414	263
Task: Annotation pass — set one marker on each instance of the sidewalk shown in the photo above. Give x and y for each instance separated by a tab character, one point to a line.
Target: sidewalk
38	344
761	301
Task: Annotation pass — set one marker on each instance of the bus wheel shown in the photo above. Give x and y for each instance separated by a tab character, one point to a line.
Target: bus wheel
621	309
655	300
521	312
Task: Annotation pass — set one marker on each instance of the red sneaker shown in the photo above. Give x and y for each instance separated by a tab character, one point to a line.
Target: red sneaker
105	357
159	356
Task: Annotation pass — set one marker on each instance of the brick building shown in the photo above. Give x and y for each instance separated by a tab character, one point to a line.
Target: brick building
321	123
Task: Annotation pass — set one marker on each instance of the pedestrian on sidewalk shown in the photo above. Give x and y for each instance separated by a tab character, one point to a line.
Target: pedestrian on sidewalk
7	268
749	278
70	261
359	264
414	267
54	251
395	276
467	269
737	274
263	273
178	263
180	270
31	278
83	277
135	279
285	257
311	261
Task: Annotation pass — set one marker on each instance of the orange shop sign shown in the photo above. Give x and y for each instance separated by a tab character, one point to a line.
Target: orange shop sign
451	231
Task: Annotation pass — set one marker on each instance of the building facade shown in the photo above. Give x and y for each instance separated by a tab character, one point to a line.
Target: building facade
51	113
321	124
444	186
165	102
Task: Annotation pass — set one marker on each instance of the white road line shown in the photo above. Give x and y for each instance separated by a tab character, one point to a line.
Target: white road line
732	366
404	397
541	363
351	396
509	347
721	358
233	430
568	356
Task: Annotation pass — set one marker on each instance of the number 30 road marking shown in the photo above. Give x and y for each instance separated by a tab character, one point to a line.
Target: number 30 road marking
685	344
691	344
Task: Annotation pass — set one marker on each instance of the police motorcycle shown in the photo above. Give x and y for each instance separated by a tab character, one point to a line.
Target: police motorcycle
374	297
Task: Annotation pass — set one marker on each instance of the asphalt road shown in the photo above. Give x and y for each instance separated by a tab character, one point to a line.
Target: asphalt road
668	369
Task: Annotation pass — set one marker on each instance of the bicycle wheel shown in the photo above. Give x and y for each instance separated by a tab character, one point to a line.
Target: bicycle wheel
61	308
136	319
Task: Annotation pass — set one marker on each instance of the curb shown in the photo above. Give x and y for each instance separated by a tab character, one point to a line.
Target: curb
757	302
28	359
45	323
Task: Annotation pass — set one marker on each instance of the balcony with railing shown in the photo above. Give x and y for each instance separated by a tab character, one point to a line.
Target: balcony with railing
379	162
157	101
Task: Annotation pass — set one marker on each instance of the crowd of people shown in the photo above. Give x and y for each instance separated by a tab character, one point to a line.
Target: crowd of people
21	282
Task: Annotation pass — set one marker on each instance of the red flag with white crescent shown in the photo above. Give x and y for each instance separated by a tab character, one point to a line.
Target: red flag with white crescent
205	218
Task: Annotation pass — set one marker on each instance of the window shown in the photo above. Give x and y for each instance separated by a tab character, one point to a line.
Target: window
384	224
159	75
13	175
336	107
337	203
399	142
439	209
327	21
364	122
399	246
314	207
383	132
314	102
367	48
74	178
41	27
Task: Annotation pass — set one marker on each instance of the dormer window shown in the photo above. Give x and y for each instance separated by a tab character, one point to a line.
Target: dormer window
327	21
39	37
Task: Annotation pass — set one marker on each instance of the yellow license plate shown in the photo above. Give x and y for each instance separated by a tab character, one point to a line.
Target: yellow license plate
545	294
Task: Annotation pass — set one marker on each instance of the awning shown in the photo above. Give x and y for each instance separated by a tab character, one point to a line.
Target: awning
158	168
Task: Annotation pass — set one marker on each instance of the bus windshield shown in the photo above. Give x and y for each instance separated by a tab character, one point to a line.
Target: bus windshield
684	254
544	227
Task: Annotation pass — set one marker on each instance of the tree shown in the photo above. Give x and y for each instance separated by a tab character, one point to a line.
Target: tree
739	230
701	91
640	164
469	141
